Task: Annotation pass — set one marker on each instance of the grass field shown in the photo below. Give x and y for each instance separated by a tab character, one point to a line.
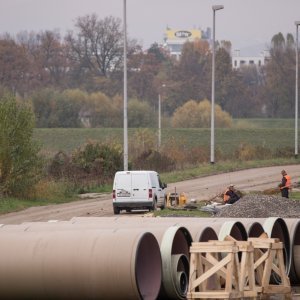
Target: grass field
226	139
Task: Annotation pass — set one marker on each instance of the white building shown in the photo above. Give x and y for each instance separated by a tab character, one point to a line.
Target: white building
258	61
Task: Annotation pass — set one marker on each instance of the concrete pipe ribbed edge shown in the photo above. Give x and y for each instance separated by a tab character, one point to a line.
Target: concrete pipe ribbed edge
294	233
277	228
80	264
233	228
175	244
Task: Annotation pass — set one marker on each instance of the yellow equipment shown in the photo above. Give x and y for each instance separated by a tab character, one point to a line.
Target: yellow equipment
175	199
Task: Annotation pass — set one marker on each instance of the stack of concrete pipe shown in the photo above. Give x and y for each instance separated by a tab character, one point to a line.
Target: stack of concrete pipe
121	257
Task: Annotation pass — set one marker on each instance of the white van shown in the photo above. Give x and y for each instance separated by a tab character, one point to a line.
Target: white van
138	190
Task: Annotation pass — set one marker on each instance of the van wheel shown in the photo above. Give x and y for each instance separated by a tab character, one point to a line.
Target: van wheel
154	205
116	210
164	204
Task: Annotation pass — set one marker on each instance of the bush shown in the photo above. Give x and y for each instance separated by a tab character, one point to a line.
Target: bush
20	165
90	165
196	115
154	160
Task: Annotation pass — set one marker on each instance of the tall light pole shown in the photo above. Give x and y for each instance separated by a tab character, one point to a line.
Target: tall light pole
212	126
297	23
159	118
125	146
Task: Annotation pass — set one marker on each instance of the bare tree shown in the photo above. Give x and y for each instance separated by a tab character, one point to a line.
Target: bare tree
97	46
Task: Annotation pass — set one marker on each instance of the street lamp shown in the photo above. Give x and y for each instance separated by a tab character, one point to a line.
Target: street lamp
212	127
159	118
125	146
297	23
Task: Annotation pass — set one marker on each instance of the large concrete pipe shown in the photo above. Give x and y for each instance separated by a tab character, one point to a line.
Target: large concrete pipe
294	233
174	248
80	264
173	240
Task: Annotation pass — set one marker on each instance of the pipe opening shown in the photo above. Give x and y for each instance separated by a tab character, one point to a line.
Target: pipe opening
182	242
238	232
208	234
180	273
148	268
255	230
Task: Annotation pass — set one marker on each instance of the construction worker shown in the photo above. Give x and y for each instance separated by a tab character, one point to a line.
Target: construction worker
285	184
230	196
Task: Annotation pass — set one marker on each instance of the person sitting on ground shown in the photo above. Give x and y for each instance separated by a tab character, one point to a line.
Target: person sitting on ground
230	196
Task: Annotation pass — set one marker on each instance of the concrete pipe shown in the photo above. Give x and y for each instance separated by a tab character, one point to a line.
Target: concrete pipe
80	264
233	228
294	233
173	240
175	244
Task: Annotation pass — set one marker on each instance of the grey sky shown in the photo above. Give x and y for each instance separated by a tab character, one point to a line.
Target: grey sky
244	22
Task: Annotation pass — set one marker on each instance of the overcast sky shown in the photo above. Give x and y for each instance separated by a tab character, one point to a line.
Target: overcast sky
245	23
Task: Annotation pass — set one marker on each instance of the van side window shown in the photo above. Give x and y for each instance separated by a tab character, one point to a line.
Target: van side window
160	183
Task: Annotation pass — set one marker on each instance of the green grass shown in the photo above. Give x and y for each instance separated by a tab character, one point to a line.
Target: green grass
226	139
8	204
264	123
169	212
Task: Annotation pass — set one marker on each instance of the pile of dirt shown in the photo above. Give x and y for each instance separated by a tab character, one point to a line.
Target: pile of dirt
261	206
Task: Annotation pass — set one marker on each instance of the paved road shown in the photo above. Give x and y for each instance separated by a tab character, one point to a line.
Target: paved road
202	188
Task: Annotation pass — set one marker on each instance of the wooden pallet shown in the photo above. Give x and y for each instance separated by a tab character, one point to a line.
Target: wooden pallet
237	269
268	260
218	262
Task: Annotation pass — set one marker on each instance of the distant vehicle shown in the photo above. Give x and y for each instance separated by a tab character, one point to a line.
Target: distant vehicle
138	190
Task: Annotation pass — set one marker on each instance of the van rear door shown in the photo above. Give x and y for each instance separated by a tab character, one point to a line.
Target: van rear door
123	186
140	186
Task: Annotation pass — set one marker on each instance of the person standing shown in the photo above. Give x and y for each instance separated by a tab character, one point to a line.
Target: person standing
285	184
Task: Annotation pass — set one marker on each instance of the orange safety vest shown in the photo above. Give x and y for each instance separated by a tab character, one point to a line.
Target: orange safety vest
288	182
226	197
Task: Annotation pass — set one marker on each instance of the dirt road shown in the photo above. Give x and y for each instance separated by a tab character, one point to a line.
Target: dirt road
198	189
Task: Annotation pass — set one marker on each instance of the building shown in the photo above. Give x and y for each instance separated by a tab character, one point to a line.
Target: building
258	61
175	39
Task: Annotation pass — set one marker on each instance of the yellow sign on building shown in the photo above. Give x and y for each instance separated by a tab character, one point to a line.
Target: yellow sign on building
192	34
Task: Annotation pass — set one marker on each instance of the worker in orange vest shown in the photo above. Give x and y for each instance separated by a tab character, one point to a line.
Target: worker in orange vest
285	184
230	195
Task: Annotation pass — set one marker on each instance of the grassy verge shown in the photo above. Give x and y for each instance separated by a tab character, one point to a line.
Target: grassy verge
9	204
223	167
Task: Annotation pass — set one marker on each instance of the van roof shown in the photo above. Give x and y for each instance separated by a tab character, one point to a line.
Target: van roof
135	171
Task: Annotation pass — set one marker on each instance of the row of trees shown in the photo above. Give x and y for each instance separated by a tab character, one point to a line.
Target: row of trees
90	58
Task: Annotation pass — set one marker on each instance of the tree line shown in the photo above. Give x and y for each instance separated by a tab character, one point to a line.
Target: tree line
79	77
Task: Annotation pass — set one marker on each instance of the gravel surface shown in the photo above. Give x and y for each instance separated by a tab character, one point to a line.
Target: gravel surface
261	206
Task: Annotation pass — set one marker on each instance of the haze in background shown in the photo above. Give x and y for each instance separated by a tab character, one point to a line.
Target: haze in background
248	24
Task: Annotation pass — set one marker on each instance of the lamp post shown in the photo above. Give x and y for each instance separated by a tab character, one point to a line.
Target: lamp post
297	23
125	146
159	119
212	127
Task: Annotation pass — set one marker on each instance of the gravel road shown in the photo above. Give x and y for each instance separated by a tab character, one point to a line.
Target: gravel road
202	188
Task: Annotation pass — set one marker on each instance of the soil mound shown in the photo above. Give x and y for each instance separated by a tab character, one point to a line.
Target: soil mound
261	206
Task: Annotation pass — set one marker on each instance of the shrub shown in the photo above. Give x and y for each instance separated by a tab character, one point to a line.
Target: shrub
90	165
154	160
193	115
20	165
